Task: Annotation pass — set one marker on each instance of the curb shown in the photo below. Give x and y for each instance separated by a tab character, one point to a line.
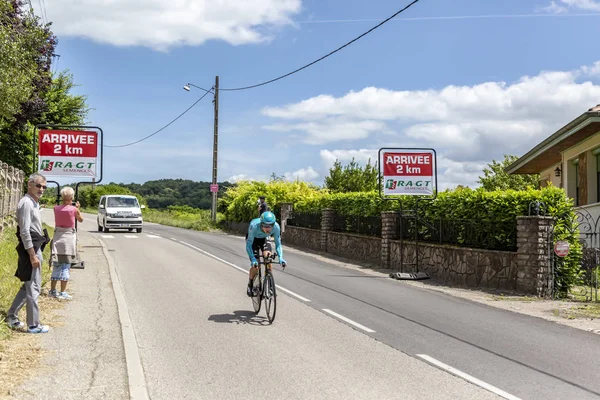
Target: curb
135	372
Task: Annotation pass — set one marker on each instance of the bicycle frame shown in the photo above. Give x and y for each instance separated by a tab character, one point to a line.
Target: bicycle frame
266	281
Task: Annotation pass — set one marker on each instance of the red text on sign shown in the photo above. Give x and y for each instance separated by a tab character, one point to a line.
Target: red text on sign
407	164
68	143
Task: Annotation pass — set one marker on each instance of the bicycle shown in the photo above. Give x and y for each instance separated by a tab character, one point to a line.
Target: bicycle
264	288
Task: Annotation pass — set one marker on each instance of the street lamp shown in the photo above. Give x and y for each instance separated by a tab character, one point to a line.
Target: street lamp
214	188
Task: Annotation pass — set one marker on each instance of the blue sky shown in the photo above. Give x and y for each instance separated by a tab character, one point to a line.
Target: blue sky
473	79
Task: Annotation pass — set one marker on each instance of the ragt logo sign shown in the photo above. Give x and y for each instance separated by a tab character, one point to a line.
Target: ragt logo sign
68	153
408	171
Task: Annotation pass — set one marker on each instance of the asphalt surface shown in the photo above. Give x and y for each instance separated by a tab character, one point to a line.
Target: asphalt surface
524	356
199	338
339	332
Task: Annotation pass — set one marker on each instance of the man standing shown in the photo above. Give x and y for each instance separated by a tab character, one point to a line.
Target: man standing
262	206
32	240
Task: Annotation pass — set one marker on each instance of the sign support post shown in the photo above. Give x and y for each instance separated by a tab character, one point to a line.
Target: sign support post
408	172
68	151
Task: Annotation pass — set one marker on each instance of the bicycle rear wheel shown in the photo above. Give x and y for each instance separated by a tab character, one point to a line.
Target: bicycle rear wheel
257	298
270	296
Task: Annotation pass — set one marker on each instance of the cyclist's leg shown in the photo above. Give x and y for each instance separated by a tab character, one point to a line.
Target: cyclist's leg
256	246
267	249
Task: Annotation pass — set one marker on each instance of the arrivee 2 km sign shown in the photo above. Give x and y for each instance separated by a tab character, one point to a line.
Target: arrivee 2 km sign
68	153
408	171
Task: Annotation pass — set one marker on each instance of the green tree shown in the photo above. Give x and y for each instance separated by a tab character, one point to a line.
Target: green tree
62	106
495	177
352	177
21	38
26	51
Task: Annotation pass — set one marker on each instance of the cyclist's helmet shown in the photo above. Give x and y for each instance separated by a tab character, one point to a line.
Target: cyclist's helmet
267	218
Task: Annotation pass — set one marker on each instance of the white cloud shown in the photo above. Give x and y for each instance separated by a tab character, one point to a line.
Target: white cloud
362	156
332	130
465	123
238	178
160	24
564	5
303	174
554	8
591	70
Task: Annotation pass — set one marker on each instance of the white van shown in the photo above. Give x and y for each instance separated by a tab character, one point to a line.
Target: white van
119	211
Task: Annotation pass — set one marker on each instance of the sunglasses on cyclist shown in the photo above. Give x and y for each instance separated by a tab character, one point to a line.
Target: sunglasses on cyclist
40	186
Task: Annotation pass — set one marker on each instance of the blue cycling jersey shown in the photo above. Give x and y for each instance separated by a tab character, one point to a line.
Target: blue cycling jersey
254	232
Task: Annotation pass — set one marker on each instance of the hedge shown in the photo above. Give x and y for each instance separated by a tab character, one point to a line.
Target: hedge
239	205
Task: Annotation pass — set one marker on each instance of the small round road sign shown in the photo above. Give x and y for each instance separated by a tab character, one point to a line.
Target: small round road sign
561	248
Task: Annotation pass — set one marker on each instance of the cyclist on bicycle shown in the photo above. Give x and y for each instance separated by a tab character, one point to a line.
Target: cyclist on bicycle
256	238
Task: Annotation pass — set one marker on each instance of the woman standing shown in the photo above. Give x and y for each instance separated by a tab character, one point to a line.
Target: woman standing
64	243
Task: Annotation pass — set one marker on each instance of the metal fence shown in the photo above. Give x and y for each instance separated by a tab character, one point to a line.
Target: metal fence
305	220
370	226
489	235
11	188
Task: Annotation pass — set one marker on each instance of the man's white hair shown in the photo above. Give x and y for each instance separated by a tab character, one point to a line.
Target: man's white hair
34	177
67	192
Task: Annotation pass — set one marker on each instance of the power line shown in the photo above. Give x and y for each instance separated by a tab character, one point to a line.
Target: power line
44	9
329	54
161	129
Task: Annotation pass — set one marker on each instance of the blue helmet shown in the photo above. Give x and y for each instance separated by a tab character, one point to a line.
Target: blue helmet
268	218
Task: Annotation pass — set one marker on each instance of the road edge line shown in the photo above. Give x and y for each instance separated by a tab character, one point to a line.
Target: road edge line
135	372
467	377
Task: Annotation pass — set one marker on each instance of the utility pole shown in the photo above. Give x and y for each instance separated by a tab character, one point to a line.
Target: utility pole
215	150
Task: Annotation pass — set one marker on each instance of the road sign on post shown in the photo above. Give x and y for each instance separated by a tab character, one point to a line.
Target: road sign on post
561	248
408	172
214	188
412	172
68	153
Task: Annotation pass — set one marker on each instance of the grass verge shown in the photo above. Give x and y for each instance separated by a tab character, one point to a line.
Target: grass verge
184	217
9	284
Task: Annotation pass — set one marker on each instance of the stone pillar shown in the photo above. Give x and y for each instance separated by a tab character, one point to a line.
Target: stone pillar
286	212
389	232
326	225
533	255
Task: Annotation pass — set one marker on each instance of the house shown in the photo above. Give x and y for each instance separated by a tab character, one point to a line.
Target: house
570	159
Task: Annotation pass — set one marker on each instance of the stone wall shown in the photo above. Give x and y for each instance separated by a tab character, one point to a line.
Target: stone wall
528	270
458	265
354	247
302	237
240	228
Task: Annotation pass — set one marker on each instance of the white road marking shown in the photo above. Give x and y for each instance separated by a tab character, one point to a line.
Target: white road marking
241	269
468	377
131	236
213	256
153	237
292	293
174	239
356	324
135	372
108	236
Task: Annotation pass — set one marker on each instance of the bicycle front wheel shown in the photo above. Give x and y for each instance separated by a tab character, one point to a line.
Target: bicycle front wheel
270	296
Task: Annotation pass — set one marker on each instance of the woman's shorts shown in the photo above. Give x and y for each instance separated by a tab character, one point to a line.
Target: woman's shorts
61	272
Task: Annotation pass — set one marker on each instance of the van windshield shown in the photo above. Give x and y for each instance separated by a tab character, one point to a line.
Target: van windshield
122	202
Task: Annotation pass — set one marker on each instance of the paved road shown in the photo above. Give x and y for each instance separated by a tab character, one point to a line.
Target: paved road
527	357
198	338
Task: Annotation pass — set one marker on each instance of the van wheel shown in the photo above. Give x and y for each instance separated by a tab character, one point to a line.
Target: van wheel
99	228
106	230
138	230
